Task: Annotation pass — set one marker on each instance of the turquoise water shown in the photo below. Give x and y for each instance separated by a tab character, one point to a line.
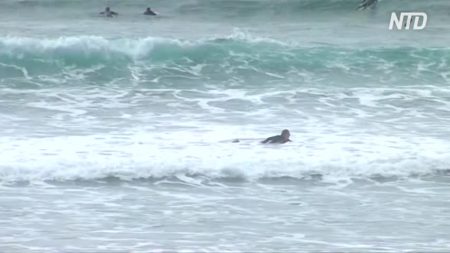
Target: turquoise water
116	132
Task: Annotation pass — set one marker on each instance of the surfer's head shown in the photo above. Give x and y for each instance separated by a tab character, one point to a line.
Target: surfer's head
285	134
107	9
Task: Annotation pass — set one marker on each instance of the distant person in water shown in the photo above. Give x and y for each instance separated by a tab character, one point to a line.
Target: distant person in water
283	138
366	4
109	13
149	12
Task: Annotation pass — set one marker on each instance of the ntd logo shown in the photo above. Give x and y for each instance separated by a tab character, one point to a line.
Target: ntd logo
400	23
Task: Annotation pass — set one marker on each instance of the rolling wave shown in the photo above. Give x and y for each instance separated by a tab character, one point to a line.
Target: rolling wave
238	55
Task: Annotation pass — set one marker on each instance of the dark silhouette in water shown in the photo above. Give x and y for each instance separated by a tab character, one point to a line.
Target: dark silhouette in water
150	12
108	13
280	139
366	4
283	138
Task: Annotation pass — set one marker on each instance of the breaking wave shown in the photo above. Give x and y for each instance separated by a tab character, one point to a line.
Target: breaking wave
239	55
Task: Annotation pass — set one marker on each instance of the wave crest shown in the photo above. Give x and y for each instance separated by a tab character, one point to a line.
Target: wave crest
239	55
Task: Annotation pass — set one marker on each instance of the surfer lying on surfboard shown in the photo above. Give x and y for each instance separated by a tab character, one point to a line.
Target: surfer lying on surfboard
280	139
149	12
283	138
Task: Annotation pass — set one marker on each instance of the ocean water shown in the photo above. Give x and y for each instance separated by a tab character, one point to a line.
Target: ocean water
116	133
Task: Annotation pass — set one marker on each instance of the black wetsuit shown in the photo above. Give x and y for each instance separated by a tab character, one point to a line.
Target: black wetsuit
276	139
366	4
150	12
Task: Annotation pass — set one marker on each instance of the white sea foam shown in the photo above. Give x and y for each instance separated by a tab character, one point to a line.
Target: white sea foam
132	155
156	133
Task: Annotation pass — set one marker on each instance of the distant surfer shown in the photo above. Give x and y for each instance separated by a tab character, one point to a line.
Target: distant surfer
149	12
280	139
283	138
366	4
109	13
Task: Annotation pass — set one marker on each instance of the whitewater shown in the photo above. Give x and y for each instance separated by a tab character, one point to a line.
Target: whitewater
117	134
